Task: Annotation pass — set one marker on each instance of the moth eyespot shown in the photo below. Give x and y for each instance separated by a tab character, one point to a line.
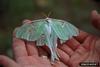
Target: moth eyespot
30	31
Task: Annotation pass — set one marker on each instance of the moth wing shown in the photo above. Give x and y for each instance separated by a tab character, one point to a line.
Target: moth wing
38	30
71	29
58	29
41	41
22	32
30	32
75	29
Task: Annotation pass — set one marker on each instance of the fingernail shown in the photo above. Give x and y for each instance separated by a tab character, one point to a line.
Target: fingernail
27	21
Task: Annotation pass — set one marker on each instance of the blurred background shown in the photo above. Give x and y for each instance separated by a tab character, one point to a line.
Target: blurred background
13	12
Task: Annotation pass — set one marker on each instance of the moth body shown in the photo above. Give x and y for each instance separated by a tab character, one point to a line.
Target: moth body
46	32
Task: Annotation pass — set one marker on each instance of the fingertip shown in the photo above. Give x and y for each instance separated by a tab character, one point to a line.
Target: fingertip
95	19
94	12
94	16
2	59
7	62
97	46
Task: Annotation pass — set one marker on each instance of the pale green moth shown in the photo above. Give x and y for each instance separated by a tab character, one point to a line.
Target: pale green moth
46	32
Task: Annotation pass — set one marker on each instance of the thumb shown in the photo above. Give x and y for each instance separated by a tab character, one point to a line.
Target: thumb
7	62
95	18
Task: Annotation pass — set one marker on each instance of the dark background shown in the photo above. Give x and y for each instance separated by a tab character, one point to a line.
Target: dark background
12	12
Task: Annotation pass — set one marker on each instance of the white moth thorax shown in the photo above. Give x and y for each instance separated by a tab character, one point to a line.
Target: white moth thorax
48	19
48	26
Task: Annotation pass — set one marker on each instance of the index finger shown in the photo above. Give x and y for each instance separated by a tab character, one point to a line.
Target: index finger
19	48
95	19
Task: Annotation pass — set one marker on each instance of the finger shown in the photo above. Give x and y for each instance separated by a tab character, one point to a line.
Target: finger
95	18
72	43
19	48
31	48
59	64
89	43
81	51
78	56
82	36
7	62
63	56
66	49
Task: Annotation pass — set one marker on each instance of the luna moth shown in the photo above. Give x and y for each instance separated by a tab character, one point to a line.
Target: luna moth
46	32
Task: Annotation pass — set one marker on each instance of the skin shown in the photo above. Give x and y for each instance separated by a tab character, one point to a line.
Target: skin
84	47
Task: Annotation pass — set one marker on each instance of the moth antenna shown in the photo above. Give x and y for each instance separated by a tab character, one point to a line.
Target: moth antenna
44	14
49	14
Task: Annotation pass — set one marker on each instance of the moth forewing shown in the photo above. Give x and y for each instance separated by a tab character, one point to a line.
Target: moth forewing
22	32
30	32
37	31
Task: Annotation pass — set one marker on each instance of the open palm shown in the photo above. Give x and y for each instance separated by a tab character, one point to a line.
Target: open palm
83	48
27	55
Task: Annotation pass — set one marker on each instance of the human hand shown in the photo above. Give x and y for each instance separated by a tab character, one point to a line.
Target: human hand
85	47
27	55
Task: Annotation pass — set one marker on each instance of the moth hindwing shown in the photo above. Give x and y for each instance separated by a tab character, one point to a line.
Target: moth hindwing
58	29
